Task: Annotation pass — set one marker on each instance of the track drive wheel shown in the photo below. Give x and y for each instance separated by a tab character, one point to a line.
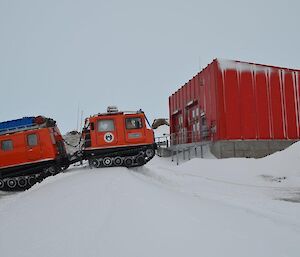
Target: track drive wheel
12	183
140	160
22	182
128	161
107	161
150	153
31	180
118	161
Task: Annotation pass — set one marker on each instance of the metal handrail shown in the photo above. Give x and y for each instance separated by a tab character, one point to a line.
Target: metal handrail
184	142
185	137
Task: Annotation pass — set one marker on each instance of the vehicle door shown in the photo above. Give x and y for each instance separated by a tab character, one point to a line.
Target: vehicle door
33	146
189	125
135	129
7	152
106	132
177	135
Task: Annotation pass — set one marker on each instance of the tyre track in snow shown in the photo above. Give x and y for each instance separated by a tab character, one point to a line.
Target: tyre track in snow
188	174
147	174
290	193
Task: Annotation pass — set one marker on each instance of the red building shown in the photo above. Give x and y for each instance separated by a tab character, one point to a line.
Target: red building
233	101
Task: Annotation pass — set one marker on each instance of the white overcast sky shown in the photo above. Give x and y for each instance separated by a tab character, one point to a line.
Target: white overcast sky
57	54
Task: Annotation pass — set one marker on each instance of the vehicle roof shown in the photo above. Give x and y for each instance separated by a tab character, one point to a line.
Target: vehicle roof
24	124
117	113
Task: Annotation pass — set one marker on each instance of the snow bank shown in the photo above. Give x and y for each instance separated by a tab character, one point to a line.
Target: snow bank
72	140
283	164
161	131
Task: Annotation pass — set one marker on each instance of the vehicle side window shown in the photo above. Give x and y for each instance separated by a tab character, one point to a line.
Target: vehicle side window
133	123
7	145
106	125
32	140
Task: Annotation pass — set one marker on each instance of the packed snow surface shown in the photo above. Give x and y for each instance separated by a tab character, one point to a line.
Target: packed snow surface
203	207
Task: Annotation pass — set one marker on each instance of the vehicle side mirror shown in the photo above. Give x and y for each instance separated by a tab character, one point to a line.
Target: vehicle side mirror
92	126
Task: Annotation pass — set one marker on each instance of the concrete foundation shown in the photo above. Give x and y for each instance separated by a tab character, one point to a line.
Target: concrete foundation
248	148
163	152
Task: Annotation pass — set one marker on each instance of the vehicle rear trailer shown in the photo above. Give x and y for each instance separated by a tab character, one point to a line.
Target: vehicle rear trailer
31	148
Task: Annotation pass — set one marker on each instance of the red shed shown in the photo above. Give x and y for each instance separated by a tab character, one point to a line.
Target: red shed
233	101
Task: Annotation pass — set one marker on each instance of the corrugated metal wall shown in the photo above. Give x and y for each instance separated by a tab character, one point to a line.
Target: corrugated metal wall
260	102
237	100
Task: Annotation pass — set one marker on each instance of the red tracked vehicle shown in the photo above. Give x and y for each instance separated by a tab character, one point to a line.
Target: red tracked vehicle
118	139
31	149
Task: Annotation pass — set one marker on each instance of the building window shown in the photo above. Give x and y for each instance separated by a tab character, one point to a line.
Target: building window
7	145
106	125
134	123
32	140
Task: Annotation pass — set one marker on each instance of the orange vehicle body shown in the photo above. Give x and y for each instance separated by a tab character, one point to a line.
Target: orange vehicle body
22	153
121	134
31	151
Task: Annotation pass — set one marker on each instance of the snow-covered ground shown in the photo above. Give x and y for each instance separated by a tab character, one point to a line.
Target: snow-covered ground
203	207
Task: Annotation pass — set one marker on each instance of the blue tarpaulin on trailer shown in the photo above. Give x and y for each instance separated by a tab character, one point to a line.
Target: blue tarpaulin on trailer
19	123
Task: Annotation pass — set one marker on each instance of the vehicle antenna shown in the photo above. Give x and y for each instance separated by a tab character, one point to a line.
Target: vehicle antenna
77	123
